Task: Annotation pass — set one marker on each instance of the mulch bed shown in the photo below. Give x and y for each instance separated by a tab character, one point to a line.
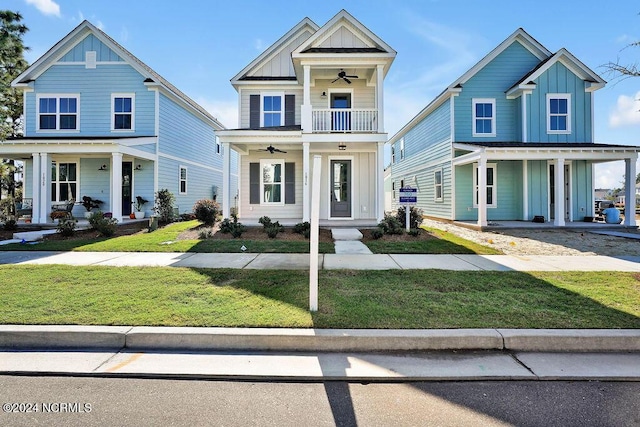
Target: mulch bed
252	233
423	235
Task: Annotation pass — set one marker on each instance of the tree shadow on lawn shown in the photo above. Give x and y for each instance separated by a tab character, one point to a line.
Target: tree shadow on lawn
416	299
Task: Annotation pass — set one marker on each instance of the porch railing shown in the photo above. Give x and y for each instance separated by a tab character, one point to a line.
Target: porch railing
345	120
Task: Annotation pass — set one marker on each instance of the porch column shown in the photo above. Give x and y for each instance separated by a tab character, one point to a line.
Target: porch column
45	188
559	192
35	189
525	190
630	191
482	192
226	180
116	186
305	109
380	97
306	201
380	182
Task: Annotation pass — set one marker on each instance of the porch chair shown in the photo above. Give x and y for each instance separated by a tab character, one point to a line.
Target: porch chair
65	208
24	208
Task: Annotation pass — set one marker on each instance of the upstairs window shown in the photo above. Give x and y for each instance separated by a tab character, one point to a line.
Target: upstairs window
402	149
218	145
57	112
484	117
272	113
183	180
558	113
123	111
437	185
393	154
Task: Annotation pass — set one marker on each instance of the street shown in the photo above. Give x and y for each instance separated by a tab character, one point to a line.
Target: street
83	401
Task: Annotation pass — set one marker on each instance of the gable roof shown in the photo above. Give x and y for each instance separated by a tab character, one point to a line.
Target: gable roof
77	35
305	25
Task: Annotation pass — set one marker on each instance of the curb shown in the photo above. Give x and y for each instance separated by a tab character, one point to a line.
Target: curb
18	337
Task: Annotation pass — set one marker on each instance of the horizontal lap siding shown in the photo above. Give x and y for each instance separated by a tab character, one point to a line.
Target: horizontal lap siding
427	148
492	82
95	87
94	183
143	184
245	96
559	79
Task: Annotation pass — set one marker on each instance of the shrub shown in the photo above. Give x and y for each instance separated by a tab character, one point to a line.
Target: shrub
205	234
206	211
390	225
7	207
187	217
66	227
377	233
302	227
105	226
415	232
415	217
164	206
232	226
273	229
265	221
10	225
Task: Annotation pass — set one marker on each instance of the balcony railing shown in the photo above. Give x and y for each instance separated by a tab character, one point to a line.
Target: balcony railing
345	120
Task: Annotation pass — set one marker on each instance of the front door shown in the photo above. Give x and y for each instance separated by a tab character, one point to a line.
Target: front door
127	175
341	120
552	192
340	188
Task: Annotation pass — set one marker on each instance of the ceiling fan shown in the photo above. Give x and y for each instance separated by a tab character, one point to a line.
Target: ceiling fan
343	75
271	149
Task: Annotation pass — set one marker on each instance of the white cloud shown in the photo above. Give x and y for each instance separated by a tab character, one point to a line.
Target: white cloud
225	111
47	7
626	112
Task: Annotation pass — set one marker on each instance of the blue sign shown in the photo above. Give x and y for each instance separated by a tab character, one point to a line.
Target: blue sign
408	199
408	190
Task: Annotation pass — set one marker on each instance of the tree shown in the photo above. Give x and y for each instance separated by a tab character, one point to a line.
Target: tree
12	63
625	70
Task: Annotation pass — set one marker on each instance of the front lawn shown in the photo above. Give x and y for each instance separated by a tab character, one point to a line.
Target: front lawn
347	299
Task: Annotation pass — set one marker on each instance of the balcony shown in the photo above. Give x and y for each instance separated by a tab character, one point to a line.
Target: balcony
344	120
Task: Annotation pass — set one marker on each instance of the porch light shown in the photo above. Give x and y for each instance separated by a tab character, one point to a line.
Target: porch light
138	167
324	95
102	168
342	146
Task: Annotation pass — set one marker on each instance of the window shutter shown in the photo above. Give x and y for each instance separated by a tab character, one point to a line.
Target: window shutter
289	110
254	111
254	183
289	183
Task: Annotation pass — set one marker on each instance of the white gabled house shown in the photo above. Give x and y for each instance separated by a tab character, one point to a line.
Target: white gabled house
315	91
100	123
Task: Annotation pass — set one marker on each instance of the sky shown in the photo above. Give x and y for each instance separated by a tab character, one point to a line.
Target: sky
200	45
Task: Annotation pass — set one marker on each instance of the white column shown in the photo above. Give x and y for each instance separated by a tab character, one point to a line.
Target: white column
226	180
559	192
45	187
525	190
315	234
482	192
116	186
380	97
379	205
306	201
306	110
523	109
630	191
35	190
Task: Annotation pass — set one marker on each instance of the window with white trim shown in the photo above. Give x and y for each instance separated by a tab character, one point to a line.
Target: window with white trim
393	190
272	181
402	149
123	111
484	116
558	113
492	201
64	181
437	185
58	112
218	145
393	154
183	180
272	110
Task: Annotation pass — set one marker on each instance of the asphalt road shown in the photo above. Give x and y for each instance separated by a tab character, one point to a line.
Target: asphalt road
65	401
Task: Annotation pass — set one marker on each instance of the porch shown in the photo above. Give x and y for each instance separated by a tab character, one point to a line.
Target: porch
529	225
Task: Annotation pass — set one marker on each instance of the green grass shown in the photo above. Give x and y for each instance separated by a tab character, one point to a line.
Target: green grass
347	299
446	243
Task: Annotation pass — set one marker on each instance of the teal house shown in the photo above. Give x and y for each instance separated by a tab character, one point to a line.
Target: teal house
100	123
510	140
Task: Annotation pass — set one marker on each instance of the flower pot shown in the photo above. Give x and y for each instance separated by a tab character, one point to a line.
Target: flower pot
132	215
139	215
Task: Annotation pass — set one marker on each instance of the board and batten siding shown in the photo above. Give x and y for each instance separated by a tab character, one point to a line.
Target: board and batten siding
559	79
537	179
91	43
280	65
95	87
581	191
493	81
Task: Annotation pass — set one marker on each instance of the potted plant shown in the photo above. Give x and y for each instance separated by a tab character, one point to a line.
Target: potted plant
139	204
90	203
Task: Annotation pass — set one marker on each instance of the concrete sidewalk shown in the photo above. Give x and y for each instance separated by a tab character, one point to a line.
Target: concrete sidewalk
327	261
315	355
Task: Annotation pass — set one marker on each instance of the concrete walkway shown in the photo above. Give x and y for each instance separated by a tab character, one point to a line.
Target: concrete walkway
327	261
347	241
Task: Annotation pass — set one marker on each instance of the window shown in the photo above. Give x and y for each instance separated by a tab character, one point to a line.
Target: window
271	181
218	145
57	112
183	180
402	149
484	117
123	113
437	185
491	185
393	154
393	190
272	113
558	113
64	181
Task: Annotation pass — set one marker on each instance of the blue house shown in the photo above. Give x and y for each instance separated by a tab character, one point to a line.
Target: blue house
100	123
510	140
